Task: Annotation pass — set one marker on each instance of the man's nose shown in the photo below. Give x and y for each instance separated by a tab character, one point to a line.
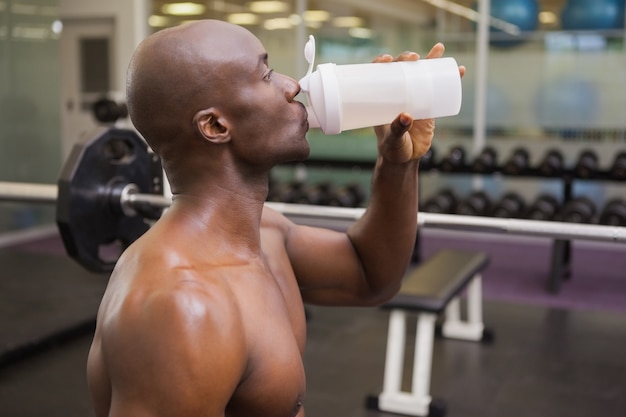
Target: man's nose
291	88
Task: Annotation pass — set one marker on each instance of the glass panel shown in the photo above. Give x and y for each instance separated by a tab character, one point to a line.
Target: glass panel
29	104
555	77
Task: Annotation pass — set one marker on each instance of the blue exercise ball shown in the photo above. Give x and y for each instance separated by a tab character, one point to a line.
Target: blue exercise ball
567	102
593	15
498	107
522	13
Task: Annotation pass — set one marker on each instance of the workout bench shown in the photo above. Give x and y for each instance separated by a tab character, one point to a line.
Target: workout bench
430	288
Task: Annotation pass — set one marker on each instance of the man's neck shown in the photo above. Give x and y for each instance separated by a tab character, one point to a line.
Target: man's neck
232	213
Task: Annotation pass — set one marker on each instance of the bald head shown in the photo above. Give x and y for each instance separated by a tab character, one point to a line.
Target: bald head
178	71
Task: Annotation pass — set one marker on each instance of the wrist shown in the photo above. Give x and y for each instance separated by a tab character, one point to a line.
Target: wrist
386	165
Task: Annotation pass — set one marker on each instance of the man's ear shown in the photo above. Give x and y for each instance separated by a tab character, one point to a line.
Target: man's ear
212	125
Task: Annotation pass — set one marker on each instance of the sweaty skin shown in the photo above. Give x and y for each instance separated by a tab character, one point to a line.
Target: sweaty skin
204	314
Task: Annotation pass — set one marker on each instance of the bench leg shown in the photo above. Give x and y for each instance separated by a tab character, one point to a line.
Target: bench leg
393	399
423	355
472	328
394	359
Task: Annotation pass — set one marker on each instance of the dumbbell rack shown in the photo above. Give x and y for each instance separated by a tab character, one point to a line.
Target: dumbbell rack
561	249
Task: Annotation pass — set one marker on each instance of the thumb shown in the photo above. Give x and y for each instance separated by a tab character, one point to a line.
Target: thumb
398	128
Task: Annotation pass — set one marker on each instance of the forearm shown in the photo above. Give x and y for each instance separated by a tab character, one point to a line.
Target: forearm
384	237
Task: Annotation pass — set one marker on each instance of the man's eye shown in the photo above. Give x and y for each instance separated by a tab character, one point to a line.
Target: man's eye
268	76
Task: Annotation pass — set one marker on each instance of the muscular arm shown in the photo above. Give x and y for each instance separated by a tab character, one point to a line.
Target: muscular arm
365	266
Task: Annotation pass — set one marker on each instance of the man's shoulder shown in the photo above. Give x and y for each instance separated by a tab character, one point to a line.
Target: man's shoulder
166	291
275	220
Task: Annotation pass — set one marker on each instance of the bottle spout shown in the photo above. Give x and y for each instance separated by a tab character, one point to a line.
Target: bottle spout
305	83
309	53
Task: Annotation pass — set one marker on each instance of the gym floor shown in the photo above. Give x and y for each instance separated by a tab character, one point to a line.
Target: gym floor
553	354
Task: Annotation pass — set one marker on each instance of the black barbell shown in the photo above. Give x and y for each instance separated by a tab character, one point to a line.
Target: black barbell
109	185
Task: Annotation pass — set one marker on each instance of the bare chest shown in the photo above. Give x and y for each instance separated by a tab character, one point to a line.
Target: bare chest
273	313
274	383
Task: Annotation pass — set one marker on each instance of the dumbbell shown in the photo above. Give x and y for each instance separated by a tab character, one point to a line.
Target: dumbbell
454	161
444	201
618	168
545	207
517	163
587	164
511	205
292	192
552	163
108	111
427	161
614	213
477	203
275	190
578	210
350	195
317	194
298	192
486	161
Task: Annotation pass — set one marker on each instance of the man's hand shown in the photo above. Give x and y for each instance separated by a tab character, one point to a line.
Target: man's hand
406	139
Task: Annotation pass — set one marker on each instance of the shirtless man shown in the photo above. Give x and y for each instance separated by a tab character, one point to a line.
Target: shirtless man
204	314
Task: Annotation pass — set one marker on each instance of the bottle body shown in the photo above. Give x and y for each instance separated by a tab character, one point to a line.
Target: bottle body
344	97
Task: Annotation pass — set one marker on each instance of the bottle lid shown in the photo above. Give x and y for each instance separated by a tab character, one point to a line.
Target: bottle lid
320	88
322	93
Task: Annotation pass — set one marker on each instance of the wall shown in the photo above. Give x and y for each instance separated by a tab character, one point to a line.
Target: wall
29	116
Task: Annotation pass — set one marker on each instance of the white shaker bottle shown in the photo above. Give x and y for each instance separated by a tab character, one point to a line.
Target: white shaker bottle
344	97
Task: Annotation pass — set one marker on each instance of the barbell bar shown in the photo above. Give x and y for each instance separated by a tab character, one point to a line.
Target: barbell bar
130	200
111	184
23	192
458	222
27	192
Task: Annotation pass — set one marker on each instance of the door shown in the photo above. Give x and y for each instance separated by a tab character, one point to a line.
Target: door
87	51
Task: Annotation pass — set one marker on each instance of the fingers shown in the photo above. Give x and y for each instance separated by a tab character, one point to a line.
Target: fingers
408	56
436	51
462	70
405	56
383	58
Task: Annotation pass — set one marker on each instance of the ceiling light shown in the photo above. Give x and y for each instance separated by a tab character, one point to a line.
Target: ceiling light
57	27
278	23
347	22
360	33
316	16
183	9
272	6
158	21
547	18
243	18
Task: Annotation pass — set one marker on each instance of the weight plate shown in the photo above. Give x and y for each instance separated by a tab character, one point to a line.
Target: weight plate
92	224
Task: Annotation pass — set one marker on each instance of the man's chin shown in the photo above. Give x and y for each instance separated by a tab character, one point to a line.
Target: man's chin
301	156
